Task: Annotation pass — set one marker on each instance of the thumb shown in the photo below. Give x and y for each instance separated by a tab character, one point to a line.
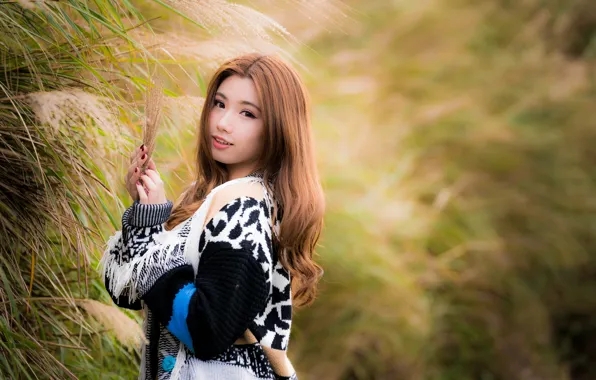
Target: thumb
142	194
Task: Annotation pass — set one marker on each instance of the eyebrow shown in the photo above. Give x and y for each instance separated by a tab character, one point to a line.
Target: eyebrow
242	102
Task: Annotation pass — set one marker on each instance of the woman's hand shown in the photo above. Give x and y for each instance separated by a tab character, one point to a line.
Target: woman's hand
154	193
137	159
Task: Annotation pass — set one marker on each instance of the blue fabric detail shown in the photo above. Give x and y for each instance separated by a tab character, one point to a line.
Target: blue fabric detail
168	363
177	324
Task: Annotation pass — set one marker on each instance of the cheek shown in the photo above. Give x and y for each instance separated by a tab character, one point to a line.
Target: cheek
252	133
252	140
212	119
258	140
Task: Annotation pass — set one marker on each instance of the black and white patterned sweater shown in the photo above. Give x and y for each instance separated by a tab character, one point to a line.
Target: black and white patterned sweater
239	284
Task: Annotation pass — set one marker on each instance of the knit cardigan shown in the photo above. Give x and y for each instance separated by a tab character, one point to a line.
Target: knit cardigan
206	288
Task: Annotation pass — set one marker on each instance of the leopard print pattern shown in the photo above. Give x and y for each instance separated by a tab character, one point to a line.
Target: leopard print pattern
246	223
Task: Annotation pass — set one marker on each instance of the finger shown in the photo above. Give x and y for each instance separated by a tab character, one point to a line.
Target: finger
138	161
148	182
141	159
131	170
154	175
142	194
135	152
133	174
151	165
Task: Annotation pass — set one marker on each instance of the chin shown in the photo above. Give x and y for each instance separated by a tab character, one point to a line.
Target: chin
217	157
221	161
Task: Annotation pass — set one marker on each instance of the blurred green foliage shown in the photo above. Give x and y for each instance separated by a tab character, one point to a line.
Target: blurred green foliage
469	181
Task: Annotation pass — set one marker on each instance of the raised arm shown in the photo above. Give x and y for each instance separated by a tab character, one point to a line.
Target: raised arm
140	222
126	248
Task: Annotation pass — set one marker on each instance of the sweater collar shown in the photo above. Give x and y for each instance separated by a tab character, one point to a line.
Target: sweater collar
257	173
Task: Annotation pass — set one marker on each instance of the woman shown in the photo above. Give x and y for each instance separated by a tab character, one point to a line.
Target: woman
217	274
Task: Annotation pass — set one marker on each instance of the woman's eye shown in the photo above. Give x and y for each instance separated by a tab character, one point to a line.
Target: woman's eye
219	104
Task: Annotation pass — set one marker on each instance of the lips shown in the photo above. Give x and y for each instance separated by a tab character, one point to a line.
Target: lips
222	140
219	146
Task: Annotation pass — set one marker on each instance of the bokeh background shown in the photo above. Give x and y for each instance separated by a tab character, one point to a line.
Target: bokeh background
456	142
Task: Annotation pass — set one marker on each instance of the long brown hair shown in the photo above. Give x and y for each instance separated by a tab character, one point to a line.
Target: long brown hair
287	162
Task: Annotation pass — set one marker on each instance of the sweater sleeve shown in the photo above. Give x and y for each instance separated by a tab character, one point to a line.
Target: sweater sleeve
209	311
127	246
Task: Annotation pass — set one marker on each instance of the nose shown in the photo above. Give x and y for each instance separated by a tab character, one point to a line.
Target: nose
224	123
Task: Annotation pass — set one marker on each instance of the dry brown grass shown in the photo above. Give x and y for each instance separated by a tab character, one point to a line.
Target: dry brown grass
65	107
208	53
220	16
153	113
126	330
184	109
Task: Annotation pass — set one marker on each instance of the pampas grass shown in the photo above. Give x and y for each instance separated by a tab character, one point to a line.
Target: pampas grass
126	330
231	18
64	107
208	53
153	114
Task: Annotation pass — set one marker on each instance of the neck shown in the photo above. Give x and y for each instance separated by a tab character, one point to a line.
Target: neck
239	172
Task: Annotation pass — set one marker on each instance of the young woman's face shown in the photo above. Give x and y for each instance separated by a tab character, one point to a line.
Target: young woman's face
236	118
